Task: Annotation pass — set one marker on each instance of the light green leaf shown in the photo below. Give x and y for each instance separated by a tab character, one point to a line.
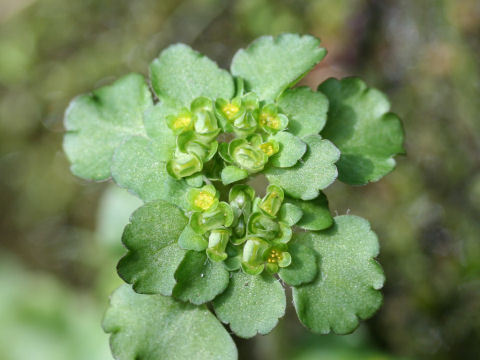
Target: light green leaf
306	110
139	166
290	214
270	65
316	214
190	240
315	171
347	288
292	148
98	122
251	304
303	268
153	253
231	173
195	180
156	126
199	280
155	327
182	74
361	126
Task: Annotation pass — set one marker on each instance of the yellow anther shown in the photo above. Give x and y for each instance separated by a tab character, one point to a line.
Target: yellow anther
204	200
230	110
182	122
274	256
267	148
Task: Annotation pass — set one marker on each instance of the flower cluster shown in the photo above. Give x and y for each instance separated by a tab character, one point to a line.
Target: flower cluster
187	142
247	122
245	232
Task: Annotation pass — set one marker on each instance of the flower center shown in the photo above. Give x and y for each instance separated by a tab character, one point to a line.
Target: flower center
267	148
230	110
204	200
270	121
274	257
182	122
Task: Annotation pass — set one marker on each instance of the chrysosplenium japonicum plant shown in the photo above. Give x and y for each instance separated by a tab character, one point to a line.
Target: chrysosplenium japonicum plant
194	143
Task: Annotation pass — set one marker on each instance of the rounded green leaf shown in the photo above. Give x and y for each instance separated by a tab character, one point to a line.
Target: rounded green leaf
315	213
270	65
199	280
290	214
361	126
98	122
251	304
153	253
231	173
195	180
155	327
137	166
292	149
306	110
303	268
314	172
182	74
347	288
190	240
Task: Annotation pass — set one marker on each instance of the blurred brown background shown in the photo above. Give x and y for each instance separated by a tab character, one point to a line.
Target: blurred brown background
60	235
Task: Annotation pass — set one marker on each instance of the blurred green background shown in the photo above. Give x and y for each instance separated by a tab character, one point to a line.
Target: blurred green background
60	236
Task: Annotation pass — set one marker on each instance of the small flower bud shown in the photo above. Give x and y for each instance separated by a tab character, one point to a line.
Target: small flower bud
183	165
222	216
271	203
253	256
217	242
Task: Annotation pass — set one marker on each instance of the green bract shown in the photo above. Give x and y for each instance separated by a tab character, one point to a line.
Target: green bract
204	235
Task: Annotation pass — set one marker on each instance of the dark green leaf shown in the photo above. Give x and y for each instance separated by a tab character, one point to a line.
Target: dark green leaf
154	255
360	125
316	214
97	123
251	304
314	172
306	110
231	173
348	286
155	327
303	268
290	214
270	65
190	240
182	74
199	280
